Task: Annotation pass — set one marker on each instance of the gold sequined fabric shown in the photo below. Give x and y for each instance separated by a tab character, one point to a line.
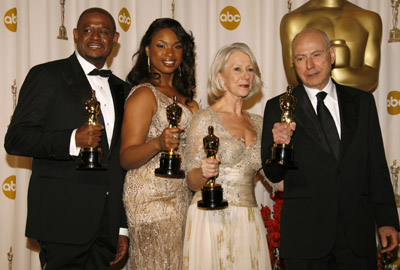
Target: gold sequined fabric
235	237
156	207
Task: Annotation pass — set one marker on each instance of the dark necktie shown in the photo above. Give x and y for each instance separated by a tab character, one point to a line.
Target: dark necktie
328	124
101	72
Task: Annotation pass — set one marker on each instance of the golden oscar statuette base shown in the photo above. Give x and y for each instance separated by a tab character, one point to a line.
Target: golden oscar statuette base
170	166
91	159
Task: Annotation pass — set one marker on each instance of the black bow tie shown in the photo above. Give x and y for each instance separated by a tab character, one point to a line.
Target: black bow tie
101	72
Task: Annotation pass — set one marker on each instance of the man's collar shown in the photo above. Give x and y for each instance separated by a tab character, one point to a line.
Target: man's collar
329	89
86	66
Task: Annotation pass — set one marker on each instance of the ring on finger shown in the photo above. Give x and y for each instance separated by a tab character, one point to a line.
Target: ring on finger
176	136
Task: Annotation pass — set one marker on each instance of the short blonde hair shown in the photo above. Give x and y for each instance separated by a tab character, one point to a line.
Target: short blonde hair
214	89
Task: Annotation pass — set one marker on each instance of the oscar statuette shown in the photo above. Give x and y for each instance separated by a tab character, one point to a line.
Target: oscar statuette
170	163
283	154
91	158
394	34
212	193
62	31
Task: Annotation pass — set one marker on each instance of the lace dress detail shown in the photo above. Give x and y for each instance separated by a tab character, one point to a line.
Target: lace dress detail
156	207
235	237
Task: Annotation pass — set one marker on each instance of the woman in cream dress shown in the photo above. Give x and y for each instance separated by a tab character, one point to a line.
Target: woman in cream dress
155	206
235	237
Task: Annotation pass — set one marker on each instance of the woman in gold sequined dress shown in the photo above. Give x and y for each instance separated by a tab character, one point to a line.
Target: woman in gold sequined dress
235	237
156	207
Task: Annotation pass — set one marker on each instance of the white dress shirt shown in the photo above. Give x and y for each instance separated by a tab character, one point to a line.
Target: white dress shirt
331	101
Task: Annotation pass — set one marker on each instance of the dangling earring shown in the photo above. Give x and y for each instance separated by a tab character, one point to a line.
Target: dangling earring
179	71
148	64
221	83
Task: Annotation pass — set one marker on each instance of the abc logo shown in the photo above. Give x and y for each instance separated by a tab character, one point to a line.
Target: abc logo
9	187
393	102
10	20
230	18
124	19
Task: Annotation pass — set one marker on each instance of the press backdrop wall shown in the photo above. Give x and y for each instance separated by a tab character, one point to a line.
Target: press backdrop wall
28	36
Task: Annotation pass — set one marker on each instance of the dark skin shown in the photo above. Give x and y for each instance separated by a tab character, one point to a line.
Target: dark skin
165	52
122	249
95	37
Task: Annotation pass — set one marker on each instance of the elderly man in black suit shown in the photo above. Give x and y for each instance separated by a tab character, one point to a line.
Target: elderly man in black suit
76	215
341	189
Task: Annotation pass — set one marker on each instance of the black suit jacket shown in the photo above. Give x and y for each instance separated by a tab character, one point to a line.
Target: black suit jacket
65	205
357	186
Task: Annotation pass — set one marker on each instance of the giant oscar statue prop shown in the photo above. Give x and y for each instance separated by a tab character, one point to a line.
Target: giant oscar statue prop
91	158
283	154
211	192
170	163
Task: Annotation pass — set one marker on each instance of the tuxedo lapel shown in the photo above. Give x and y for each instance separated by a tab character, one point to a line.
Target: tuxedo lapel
76	80
104	140
349	108
306	117
117	91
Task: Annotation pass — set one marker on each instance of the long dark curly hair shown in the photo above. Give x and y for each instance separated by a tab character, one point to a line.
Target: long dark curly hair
184	77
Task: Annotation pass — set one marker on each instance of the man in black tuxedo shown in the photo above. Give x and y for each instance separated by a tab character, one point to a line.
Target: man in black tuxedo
76	215
341	189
